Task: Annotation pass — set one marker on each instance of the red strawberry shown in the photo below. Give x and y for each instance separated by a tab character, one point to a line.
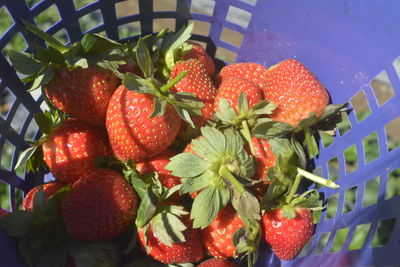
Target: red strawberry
201	55
216	262
217	237
199	84
71	149
250	71
82	93
99	206
230	89
296	92
3	213
189	251
157	164
133	134
287	236
49	189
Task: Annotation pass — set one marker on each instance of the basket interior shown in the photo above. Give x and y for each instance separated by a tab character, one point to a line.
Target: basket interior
349	45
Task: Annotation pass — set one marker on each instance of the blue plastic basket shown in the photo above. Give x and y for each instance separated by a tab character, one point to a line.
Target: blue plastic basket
346	43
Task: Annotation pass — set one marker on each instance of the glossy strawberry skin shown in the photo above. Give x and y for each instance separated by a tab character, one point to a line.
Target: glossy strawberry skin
189	251
199	53
99	206
253	72
133	134
216	262
287	237
230	89
296	92
70	151
217	237
199	84
82	93
49	189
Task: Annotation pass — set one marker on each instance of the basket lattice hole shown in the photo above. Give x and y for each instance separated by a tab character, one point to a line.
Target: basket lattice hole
91	20
6	21
62	36
205	7
383	89
252	2
201	27
340	239
371	191
361	106
238	16
32	3
326	139
129	30
383	232
396	65
19	117
351	159
6	100
166	5
350	199
318	171
126	8
321	245
225	55
393	184
5	196
344	126
82	3
6	155
333	169
306	249
332	206
48	17
18	198
31	130
371	147
392	130
359	236
232	37
17	42
160	24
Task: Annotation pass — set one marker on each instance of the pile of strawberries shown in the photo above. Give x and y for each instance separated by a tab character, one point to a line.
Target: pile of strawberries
160	158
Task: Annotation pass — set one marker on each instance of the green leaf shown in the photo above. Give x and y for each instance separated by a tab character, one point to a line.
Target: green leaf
158	107
35	161
49	55
246	205
25	155
263	108
205	207
310	142
174	40
168	228
215	138
44	121
135	83
266	128
288	211
54	256
243	104
94	43
25	63
298	149
195	184
331	117
139	186
147	207
144	59
17	223
74	61
187	165
276	190
184	115
226	112
43	77
39	201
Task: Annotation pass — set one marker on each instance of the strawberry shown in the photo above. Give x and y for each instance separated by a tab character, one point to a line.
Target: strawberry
157	164
133	133
287	236
230	89
253	72
198	52
3	213
190	250
296	92
217	237
48	189
199	84
70	150
217	262
99	206
83	93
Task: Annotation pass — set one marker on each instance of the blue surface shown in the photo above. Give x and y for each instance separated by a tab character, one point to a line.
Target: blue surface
345	43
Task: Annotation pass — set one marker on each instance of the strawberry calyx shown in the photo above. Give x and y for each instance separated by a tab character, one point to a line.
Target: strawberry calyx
92	50
221	169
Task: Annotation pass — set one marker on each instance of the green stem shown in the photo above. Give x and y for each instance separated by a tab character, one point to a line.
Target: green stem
317	179
47	37
247	134
226	173
172	83
294	188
